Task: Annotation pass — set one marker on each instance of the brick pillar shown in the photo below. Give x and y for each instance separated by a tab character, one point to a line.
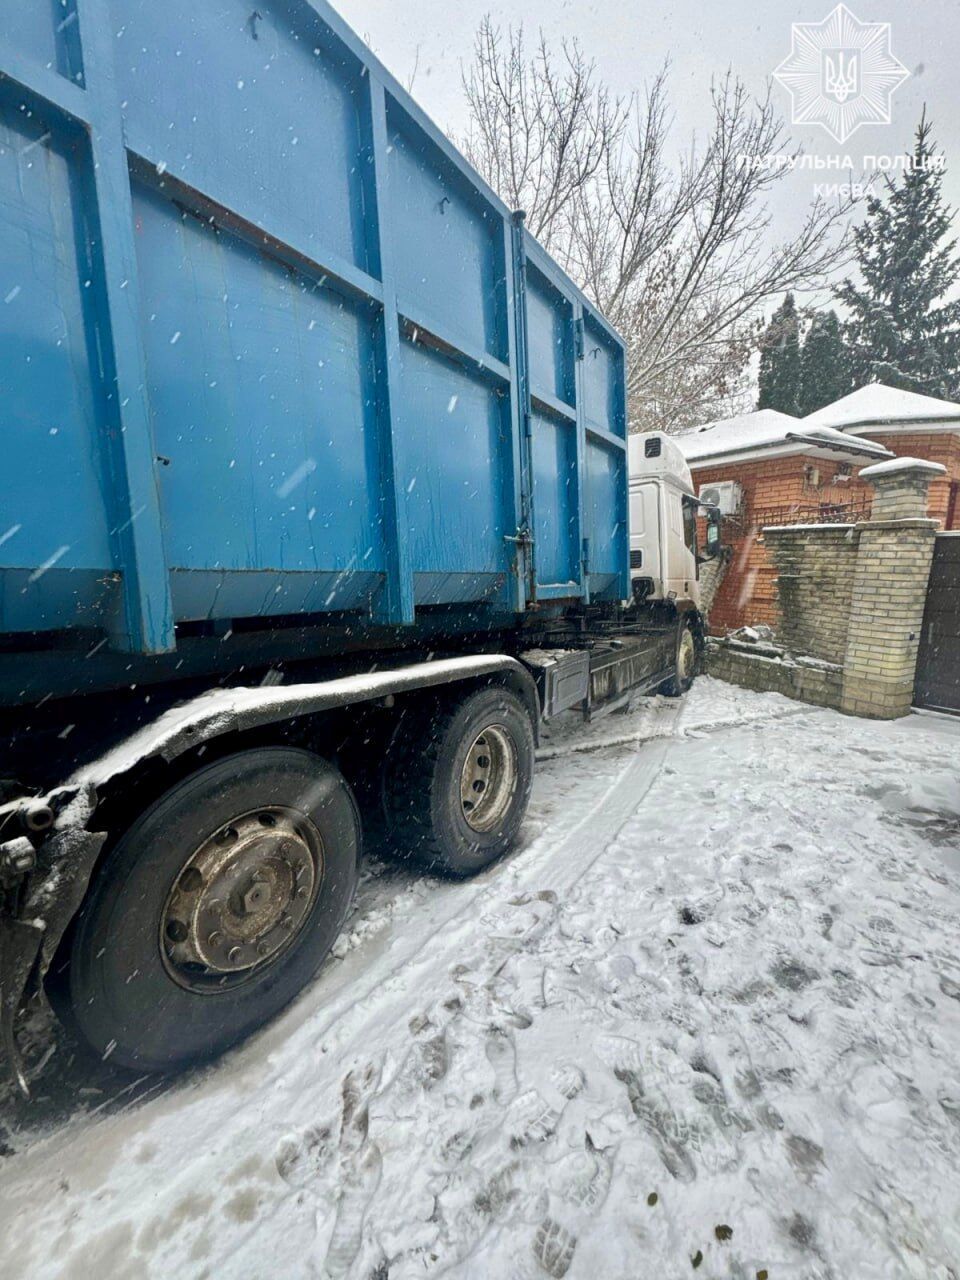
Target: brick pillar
894	553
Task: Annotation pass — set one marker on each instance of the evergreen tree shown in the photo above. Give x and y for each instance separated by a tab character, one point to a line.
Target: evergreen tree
780	360
901	331
824	363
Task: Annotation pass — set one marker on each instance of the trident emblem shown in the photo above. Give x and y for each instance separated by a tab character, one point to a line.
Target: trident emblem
841	74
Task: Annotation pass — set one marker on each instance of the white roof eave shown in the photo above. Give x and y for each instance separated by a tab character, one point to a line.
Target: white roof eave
921	426
786	449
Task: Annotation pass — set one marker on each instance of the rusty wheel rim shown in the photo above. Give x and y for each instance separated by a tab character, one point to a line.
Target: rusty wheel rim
241	899
488	779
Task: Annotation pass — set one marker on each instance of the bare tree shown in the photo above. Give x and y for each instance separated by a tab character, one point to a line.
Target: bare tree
680	256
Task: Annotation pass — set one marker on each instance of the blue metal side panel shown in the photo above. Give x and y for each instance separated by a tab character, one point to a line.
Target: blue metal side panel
459	504
447	243
447	246
604	416
605	520
44	31
576	384
549	340
54	513
259	386
556	521
602	382
554	467
251	112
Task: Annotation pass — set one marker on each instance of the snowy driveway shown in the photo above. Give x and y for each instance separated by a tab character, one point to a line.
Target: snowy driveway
706	1022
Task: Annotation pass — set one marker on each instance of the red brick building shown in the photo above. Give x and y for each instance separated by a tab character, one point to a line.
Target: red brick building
785	472
909	425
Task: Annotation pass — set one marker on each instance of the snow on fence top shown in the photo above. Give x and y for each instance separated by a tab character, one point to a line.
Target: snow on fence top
820	526
893	465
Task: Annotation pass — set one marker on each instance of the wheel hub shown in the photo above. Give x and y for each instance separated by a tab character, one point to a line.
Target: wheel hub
488	778
241	898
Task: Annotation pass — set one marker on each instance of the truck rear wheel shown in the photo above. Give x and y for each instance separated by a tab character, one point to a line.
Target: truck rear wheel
457	781
214	909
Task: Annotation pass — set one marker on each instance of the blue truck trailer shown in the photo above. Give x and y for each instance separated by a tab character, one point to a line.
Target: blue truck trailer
314	500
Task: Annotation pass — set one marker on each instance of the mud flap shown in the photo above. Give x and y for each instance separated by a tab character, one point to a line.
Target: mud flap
19	947
29	942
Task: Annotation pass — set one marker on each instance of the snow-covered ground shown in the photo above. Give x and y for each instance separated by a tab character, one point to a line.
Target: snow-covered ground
705	1021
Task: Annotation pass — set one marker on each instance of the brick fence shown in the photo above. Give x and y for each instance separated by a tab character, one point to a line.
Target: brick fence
815	567
851	600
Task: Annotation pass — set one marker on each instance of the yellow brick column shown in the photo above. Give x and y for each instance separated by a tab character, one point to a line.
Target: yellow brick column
894	553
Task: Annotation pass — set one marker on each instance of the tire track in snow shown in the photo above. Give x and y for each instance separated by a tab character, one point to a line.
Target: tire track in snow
371	1014
543	866
370	1004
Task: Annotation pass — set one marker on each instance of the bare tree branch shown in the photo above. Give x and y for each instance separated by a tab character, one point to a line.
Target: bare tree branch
680	256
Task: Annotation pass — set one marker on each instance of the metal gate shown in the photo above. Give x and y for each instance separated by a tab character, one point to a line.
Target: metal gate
938	662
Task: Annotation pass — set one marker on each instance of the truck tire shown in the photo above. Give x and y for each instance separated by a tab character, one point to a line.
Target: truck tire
214	909
685	662
457	781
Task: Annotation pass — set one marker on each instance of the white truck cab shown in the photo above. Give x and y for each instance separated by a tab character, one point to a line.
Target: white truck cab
664	557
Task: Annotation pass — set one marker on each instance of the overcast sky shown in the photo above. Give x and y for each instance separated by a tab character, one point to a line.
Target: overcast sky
629	39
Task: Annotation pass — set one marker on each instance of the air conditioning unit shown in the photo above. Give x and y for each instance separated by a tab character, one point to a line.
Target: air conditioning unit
725	494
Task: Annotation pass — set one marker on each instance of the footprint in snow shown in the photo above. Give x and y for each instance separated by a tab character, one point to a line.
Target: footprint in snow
840	1034
499	1192
529	918
792	975
748	1083
301	1157
361	1167
949	1100
712	1095
490	1003
356	1092
358	1186
567	1079
502	1056
434	1059
511	1015
553	1248
479	1210
425	1065
670	1134
531	1119
583	1179
619	1052
806	1156
455	1149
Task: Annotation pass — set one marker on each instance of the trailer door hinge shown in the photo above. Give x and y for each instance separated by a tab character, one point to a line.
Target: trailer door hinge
579	341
